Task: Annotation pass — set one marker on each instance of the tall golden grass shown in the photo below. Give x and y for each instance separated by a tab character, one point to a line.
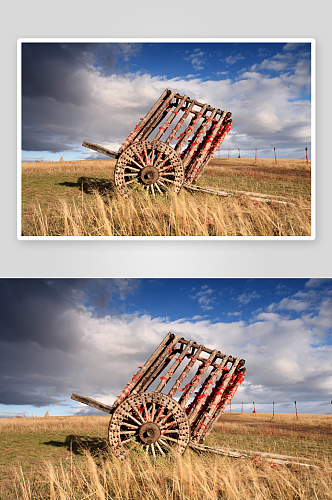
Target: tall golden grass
99	475
101	212
188	477
182	215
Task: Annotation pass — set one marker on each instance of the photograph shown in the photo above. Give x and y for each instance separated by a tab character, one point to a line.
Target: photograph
166	138
172	388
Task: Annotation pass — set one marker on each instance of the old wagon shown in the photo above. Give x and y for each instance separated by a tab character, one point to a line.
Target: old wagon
173	400
170	147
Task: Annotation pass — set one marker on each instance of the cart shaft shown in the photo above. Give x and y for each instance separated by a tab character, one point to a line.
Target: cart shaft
100	149
92	402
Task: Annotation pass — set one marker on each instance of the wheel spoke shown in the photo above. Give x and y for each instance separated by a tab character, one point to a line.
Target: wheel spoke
129	182
131	160
145	411
165	444
154	432
126	440
133	168
160	191
133	418
167	173
149	160
161	183
168	180
159	448
152	156
153	410
169	438
130	426
137	413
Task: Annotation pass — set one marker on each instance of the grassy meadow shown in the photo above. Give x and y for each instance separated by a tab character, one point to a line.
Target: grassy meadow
68	458
78	198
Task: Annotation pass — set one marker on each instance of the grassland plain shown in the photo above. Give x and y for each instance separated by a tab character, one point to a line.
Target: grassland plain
78	198
68	458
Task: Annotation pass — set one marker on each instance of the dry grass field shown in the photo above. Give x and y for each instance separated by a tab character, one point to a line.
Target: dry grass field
68	458
78	198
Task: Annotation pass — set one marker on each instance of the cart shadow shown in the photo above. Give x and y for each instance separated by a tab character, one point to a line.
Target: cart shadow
80	444
90	185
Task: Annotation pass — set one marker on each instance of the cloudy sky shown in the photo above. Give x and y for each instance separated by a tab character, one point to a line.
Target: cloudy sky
98	91
88	336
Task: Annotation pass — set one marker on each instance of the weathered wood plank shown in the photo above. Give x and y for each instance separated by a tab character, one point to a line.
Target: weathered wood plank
251	196
277	459
91	402
100	149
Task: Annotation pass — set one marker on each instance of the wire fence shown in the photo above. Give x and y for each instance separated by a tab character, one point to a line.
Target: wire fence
259	153
273	407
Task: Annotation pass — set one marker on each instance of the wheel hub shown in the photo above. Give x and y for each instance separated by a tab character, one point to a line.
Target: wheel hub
149	432
149	175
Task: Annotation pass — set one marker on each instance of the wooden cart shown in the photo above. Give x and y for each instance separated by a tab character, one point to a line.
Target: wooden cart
170	147
189	388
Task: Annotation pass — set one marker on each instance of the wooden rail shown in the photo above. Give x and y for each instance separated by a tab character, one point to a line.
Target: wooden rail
100	149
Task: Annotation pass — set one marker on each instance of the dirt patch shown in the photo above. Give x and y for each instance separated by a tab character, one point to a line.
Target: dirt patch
276	426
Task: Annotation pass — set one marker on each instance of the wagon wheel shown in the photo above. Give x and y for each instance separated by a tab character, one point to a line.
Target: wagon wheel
153	165
152	420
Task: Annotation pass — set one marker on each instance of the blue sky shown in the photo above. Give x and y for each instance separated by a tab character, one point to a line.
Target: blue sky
98	91
88	336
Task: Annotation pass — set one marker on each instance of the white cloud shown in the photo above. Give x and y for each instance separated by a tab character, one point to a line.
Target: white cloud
232	59
317	282
280	353
197	59
204	298
245	298
263	108
293	305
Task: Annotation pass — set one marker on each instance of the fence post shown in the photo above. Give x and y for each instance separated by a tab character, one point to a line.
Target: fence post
296	411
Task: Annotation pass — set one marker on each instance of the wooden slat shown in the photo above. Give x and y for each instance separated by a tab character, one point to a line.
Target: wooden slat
213	411
176	110
174	366
209	351
213	376
209	108
147	117
156	119
140	376
156	368
199	163
200	373
180	122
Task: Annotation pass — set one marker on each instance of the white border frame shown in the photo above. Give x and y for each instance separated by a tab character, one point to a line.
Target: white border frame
312	41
